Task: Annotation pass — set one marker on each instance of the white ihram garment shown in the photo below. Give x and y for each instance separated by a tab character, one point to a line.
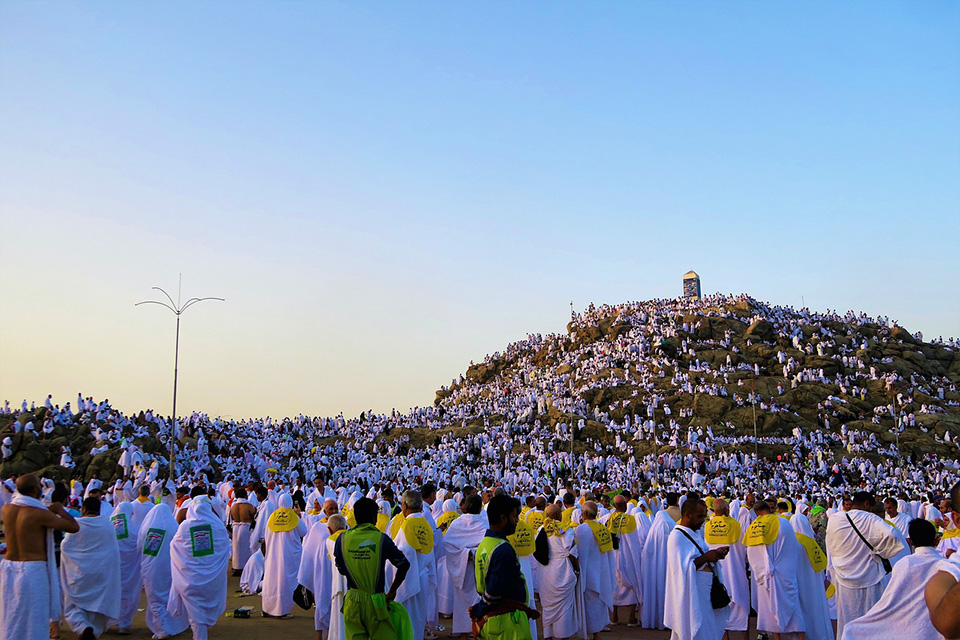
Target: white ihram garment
598	575
29	591
560	595
775	569
90	575
688	612
414	589
901	612
314	573
653	564
858	571
459	547
156	533
199	555
338	587
131	583
733	573
281	564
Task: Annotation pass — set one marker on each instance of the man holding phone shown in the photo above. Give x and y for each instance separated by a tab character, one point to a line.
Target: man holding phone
688	607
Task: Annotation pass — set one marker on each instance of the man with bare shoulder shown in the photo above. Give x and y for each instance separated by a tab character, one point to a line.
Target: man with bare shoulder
29	587
242	514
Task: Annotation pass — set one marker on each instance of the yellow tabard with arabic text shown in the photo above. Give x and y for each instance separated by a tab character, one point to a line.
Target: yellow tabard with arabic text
535	519
445	519
283	520
763	531
554	527
395	525
602	535
419	534
816	556
524	539
622	523
722	530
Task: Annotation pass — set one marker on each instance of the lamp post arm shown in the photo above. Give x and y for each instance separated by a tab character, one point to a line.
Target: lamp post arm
172	303
162	304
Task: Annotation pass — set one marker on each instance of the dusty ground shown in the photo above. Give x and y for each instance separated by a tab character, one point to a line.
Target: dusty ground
300	627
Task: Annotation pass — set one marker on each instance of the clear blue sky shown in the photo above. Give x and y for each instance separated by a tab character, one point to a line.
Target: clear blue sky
384	191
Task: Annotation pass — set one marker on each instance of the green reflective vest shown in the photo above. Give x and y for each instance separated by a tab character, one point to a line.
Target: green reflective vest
482	564
482	561
361	549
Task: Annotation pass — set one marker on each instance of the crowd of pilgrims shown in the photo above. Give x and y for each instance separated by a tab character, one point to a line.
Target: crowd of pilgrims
319	466
591	556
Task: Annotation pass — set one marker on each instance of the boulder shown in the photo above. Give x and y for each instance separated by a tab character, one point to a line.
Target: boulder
762	330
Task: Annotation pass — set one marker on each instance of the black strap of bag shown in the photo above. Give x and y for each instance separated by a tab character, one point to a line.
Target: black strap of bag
886	563
719	598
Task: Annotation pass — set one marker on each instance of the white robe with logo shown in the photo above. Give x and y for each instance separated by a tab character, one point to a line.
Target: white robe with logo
198	588
131	582
155	570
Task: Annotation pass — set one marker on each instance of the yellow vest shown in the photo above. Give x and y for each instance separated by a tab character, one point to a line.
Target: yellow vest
722	530
602	535
763	531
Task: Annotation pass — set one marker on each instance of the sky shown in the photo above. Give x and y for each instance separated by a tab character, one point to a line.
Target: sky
385	191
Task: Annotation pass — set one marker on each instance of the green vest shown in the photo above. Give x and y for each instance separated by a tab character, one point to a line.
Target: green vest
506	626
482	561
361	555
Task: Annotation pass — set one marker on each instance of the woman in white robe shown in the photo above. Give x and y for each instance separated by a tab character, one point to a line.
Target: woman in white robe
281	563
131	584
199	555
156	533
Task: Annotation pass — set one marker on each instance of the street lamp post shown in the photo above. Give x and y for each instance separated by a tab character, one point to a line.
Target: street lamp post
177	310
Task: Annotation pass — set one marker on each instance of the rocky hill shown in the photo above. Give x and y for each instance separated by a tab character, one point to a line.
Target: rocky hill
726	365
